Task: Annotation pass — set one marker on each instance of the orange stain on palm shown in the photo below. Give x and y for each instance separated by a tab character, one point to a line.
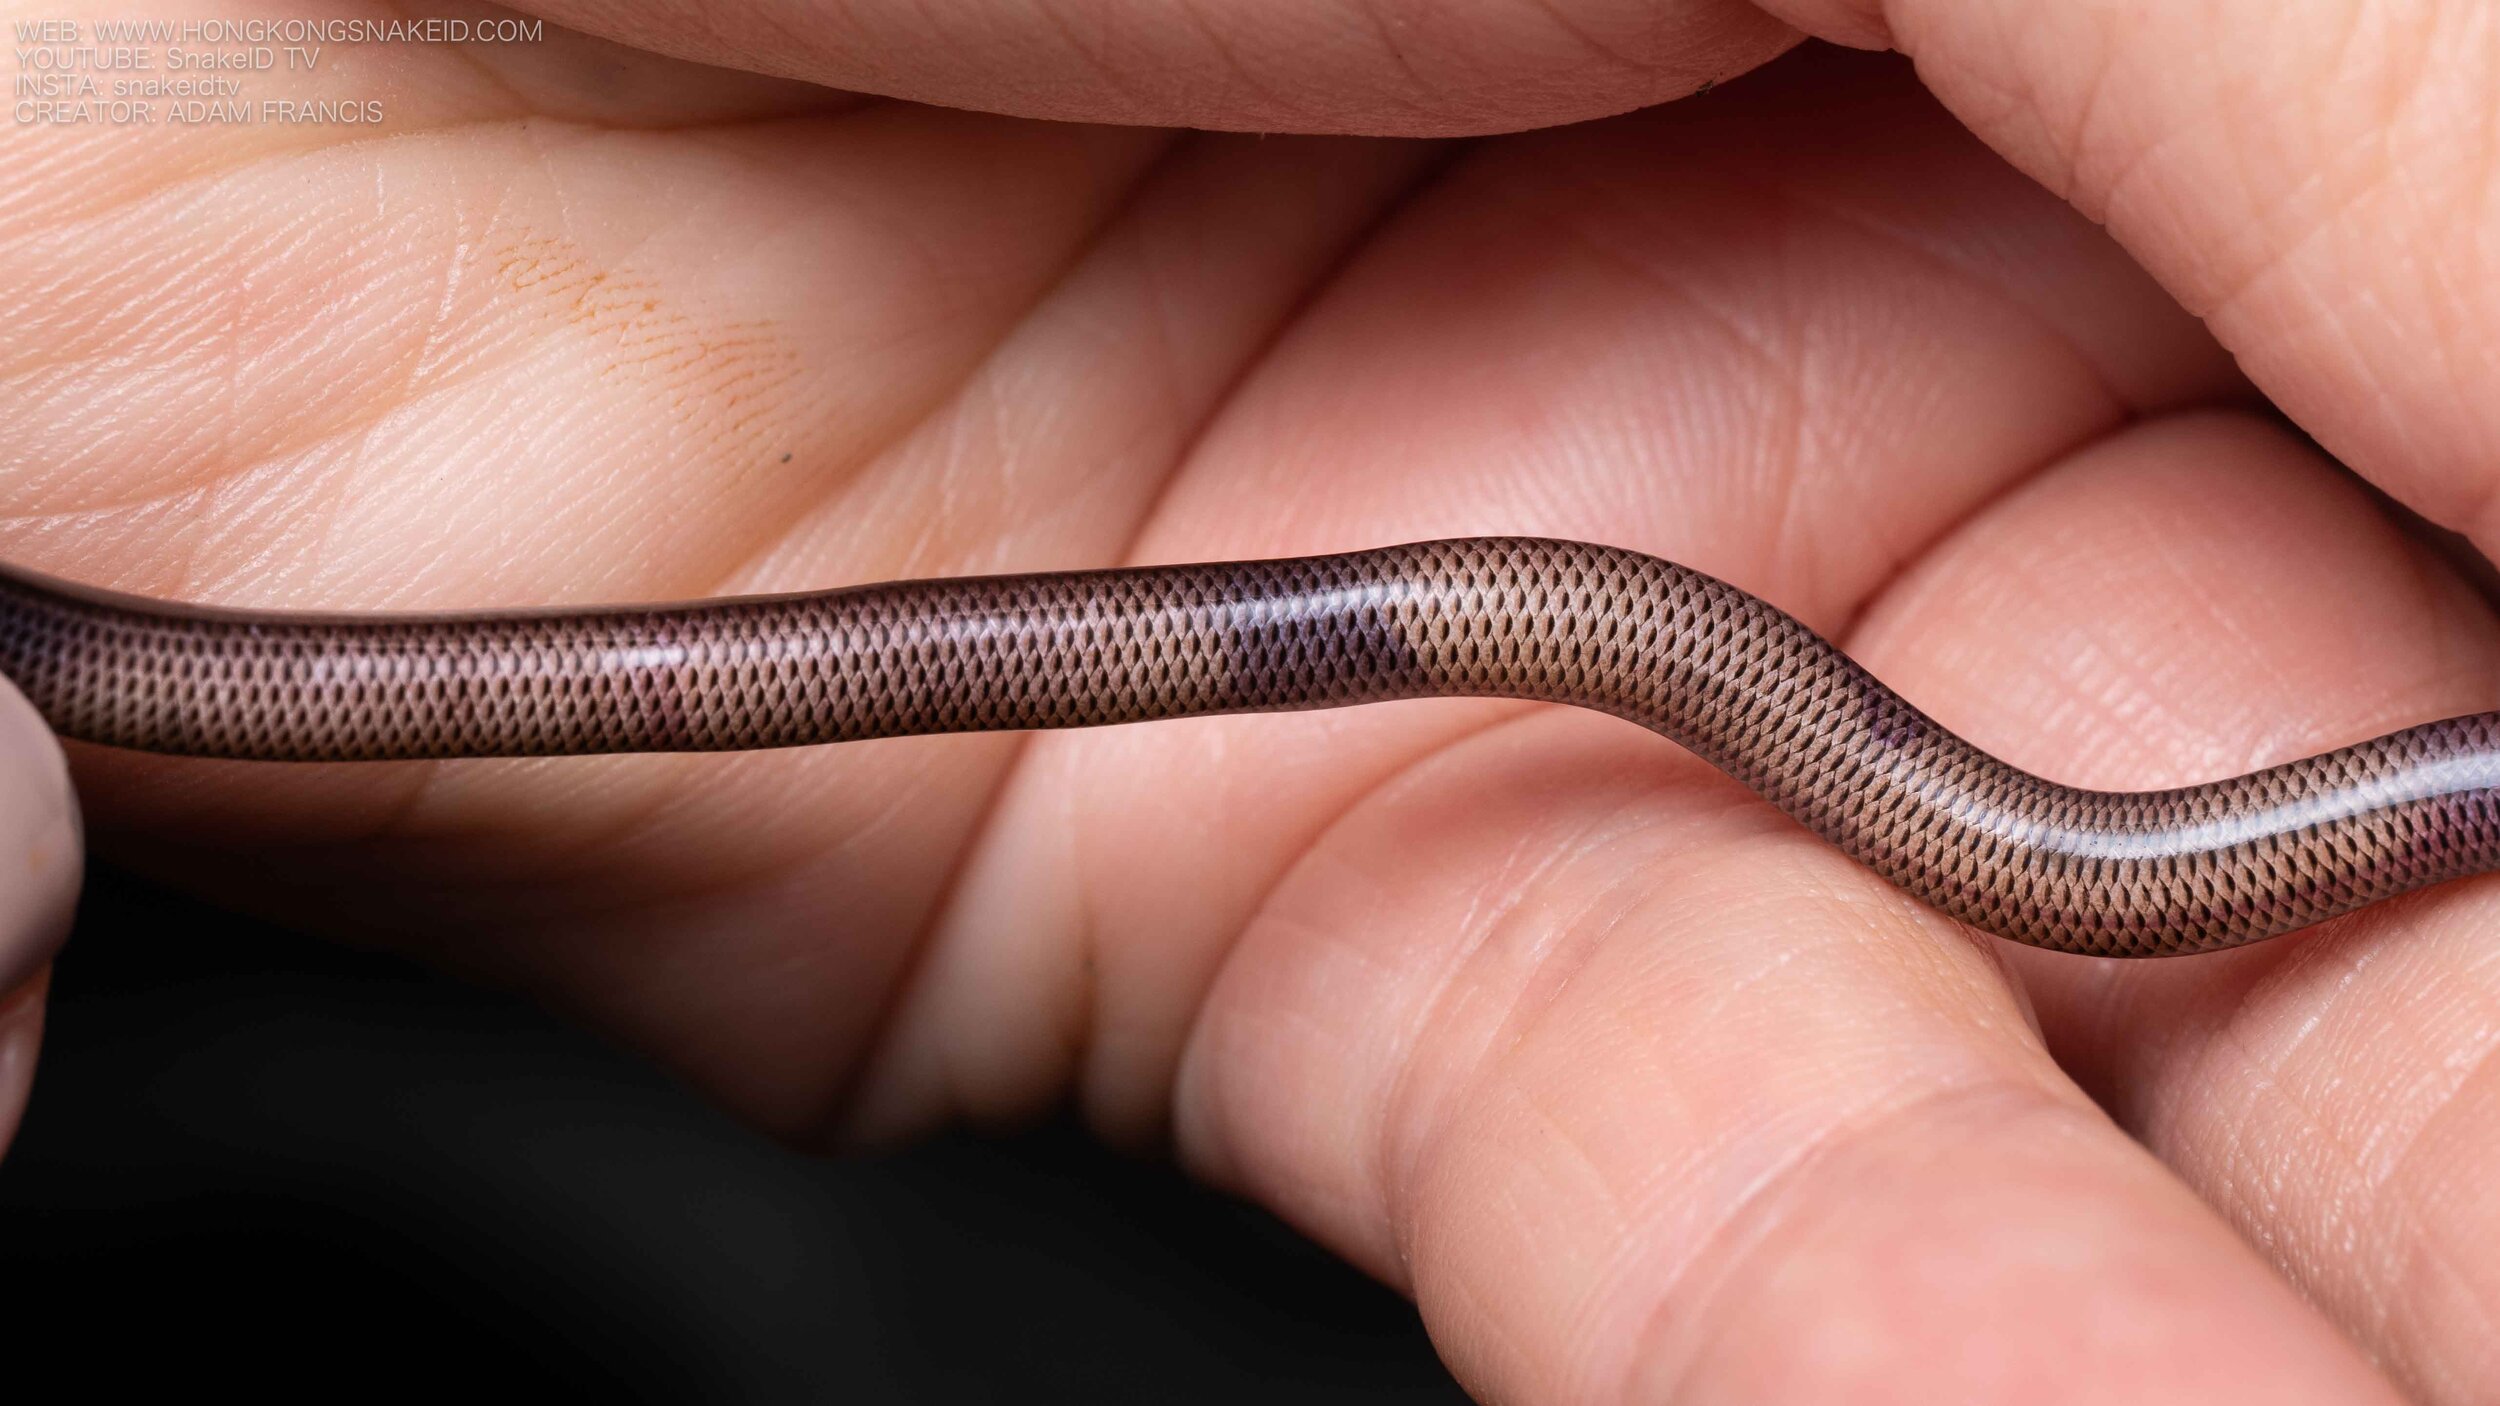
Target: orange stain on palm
725	372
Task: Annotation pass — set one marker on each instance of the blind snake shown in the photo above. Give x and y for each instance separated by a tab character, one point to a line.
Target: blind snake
1717	670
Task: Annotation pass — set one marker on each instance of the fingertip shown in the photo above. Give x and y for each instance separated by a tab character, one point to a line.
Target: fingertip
41	854
40	863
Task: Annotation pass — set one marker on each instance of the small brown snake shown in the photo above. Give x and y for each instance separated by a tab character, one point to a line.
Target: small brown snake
1717	670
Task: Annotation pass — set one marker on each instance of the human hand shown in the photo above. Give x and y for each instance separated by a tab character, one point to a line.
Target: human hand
1639	1089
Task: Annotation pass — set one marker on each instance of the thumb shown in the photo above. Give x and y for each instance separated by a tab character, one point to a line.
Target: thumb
1281	65
39	871
2317	182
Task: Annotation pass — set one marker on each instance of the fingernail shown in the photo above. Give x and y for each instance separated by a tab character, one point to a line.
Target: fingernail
40	851
21	1038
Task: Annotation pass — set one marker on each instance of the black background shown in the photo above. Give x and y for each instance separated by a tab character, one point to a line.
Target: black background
255	1158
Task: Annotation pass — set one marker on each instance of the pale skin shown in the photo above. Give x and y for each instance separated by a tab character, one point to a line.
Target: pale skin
1641	1092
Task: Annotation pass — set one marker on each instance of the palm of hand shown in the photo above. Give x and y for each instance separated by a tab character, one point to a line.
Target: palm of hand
1626	1078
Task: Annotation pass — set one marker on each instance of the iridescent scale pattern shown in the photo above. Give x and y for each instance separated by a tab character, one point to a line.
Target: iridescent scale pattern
1697	660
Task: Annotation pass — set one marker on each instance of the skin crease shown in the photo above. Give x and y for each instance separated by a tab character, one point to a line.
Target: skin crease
1639	1090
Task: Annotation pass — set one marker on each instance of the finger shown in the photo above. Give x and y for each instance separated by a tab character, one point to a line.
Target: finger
1533	1016
1295	65
2235	604
1790	361
1521	1013
39	873
1649	1095
2314	180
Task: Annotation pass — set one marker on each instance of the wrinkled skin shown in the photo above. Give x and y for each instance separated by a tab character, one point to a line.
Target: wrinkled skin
1642	1092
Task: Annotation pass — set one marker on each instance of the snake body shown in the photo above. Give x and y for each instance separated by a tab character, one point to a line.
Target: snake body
1719	671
